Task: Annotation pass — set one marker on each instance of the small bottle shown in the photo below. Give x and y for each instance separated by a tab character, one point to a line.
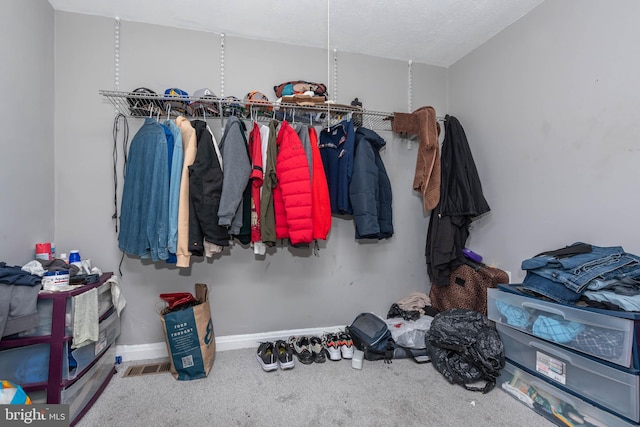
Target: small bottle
74	256
74	259
53	250
63	257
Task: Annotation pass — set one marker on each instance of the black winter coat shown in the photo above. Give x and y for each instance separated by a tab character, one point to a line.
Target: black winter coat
205	188
370	188
461	200
460	188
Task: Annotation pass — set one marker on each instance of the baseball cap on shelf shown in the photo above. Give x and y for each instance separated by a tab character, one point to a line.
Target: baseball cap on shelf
232	106
177	100
143	101
255	97
205	102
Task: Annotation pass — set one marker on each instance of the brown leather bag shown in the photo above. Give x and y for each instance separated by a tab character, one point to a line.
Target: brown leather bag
467	287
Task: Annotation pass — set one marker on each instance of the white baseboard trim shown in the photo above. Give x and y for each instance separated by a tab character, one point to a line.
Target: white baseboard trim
152	351
158	350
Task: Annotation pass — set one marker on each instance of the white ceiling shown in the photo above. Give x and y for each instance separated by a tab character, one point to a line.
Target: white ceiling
436	32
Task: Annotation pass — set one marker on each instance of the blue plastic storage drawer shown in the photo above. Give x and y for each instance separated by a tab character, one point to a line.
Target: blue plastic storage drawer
616	389
24	365
552	403
598	335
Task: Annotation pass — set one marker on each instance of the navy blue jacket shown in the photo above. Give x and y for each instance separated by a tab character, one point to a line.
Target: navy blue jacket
370	188
337	152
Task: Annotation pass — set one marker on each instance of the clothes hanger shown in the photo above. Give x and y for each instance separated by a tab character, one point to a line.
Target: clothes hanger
159	112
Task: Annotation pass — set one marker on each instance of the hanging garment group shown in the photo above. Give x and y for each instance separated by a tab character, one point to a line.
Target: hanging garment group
186	195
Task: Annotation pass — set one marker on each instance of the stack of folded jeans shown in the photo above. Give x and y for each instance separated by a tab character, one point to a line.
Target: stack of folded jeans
566	274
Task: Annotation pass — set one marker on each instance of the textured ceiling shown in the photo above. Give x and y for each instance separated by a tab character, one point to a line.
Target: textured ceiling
436	32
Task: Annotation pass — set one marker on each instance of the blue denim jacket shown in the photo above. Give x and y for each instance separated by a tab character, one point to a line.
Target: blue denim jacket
174	185
145	195
575	272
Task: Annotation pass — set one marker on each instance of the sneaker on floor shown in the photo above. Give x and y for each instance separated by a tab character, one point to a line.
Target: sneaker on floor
267	356
346	345
332	344
301	349
317	349
284	354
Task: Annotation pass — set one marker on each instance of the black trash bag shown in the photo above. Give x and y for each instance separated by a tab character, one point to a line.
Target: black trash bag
465	348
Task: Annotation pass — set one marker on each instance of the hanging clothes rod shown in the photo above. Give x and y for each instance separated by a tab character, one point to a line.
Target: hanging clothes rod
143	102
326	112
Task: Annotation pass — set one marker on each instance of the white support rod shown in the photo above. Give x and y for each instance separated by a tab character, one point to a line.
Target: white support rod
116	55
335	75
328	58
410	90
222	65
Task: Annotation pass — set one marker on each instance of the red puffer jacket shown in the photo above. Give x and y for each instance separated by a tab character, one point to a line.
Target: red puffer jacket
292	194
321	209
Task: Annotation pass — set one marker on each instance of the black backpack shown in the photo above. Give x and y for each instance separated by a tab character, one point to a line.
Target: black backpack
371	335
465	347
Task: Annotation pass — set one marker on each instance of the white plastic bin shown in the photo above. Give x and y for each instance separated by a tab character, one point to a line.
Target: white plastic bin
80	393
109	331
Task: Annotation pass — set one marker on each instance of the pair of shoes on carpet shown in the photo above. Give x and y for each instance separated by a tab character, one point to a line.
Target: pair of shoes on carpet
272	355
309	349
339	345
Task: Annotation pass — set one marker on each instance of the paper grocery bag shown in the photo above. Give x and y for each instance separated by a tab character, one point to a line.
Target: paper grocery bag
190	338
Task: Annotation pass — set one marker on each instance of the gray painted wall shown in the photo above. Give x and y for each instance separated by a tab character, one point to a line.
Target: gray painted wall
287	289
27	192
550	107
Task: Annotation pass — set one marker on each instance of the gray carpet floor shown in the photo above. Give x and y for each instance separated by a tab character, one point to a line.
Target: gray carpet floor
238	392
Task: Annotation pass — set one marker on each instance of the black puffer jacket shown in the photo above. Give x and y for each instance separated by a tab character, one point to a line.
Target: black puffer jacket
370	188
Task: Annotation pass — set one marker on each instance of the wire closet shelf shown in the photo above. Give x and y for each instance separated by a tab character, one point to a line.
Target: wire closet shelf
143	105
